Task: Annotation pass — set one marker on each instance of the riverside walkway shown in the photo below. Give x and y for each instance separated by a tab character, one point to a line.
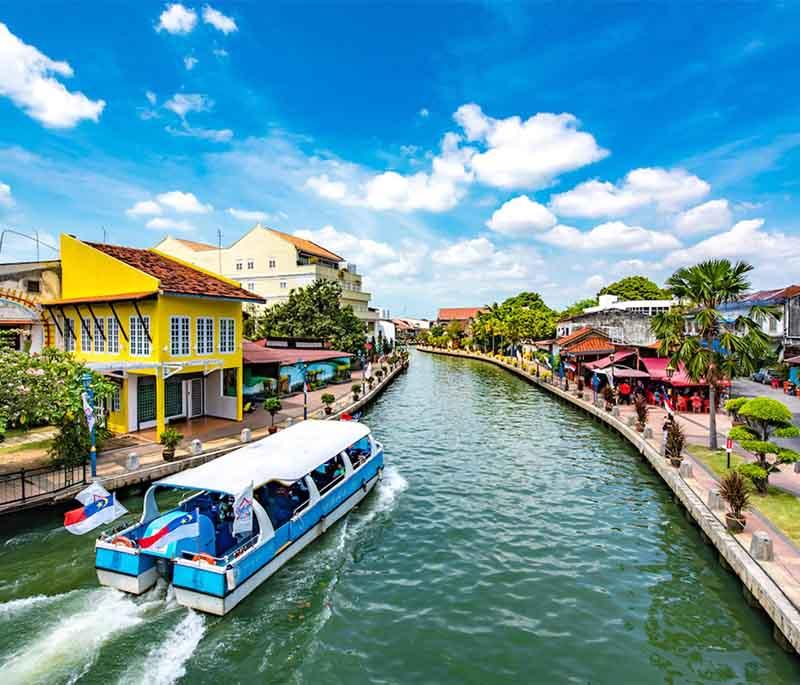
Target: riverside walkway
218	438
773	584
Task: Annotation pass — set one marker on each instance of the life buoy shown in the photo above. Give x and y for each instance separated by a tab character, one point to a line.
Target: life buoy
122	540
206	558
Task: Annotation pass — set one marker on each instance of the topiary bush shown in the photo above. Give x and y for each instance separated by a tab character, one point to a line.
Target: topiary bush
757	475
733	406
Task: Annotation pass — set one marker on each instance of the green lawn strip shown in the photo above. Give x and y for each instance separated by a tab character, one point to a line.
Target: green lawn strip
25	447
780	507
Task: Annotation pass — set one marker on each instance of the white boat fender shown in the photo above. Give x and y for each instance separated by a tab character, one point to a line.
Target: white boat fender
380	473
364	485
324	523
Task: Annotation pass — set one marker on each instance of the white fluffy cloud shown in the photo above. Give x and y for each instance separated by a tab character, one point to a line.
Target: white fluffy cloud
28	79
595	282
667	189
476	263
521	216
376	259
248	215
144	208
177	19
613	236
745	240
526	154
161	223
710	216
325	187
189	62
183	203
151	97
218	20
465	252
5	195
183	103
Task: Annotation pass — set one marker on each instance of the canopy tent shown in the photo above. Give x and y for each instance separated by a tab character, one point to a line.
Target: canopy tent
606	361
286	457
657	367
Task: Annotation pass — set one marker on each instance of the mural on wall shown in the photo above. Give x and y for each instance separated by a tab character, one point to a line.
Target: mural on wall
23	311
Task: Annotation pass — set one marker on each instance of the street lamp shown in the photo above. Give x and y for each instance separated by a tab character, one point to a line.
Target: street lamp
670	371
304	367
611	359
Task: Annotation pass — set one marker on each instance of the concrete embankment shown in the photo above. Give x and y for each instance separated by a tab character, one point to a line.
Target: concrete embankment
142	476
778	598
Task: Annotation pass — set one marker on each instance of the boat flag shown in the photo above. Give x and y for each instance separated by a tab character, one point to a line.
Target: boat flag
243	511
186	526
99	507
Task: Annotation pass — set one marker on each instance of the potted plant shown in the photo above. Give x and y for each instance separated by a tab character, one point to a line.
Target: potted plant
273	406
580	388
328	399
676	440
370	382
640	405
608	396
733	489
170	438
379	374
356	388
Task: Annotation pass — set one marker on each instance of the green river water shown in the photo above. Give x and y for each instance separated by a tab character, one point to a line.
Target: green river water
512	540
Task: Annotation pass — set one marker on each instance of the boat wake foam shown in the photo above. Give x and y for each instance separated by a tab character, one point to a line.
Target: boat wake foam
166	664
66	650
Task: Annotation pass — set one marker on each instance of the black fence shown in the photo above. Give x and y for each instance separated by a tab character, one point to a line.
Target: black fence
27	484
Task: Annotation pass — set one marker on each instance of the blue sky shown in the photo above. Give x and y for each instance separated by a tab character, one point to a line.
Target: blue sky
458	153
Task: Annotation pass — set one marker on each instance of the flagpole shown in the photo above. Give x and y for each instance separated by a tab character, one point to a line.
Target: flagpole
87	386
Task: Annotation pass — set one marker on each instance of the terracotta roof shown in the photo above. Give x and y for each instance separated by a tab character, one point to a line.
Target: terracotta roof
778	295
175	277
308	246
594	344
459	313
253	353
575	335
194	245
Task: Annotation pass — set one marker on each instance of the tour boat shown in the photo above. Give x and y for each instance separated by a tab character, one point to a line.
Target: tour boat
302	479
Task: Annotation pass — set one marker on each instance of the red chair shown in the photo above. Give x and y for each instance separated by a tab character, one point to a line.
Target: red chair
697	405
683	403
706	406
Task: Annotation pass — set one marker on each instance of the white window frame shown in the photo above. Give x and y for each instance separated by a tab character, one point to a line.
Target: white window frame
86	341
205	335
116	398
251	264
112	335
180	344
239	265
283	285
99	332
139	342
227	335
69	334
272	263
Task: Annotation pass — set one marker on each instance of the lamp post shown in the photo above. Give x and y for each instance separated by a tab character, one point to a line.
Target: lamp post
611	359
88	408
304	367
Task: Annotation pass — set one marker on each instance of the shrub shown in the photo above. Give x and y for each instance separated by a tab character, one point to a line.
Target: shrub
640	404
766	415
327	399
356	387
676	441
755	474
733	489
608	394
72	444
733	406
273	406
740	433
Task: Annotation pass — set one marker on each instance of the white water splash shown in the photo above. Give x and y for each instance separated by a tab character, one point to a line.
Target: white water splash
387	491
18	606
67	649
166	664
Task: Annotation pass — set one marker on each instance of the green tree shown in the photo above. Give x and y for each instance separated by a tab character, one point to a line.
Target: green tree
315	312
577	308
636	288
711	352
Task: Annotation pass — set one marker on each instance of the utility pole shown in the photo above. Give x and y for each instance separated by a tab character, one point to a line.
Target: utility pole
219	249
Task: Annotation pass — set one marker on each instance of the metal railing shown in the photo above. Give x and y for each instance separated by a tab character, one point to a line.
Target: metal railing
26	484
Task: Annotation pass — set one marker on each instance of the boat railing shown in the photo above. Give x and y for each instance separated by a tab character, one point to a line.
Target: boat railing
301	508
332	484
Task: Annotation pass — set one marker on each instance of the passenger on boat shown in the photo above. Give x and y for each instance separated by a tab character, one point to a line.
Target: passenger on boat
278	504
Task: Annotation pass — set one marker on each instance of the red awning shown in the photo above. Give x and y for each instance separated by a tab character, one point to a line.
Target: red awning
793	360
253	353
657	367
606	361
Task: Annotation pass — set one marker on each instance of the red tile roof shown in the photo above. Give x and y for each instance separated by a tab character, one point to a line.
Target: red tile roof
308	246
594	344
459	313
253	353
578	333
173	276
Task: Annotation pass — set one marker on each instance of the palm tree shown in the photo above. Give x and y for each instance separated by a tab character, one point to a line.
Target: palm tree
695	334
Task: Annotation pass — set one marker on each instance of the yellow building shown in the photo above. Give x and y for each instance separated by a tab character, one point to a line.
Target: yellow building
271	263
169	334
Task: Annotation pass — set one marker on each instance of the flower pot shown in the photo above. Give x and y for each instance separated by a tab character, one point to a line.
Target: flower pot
676	461
272	430
328	411
639	428
735	524
168	454
355	397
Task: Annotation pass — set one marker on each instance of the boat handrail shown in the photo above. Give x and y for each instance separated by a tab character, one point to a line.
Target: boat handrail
330	485
304	505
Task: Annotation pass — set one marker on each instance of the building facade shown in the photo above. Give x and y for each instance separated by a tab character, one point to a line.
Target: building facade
23	286
777	300
168	334
271	263
461	315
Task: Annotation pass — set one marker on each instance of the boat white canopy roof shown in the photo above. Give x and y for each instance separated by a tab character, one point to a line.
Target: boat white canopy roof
286	456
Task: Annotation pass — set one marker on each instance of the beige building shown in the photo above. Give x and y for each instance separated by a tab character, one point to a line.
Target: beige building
271	263
23	286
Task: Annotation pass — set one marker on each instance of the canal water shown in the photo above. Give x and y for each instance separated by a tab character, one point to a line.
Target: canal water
512	540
